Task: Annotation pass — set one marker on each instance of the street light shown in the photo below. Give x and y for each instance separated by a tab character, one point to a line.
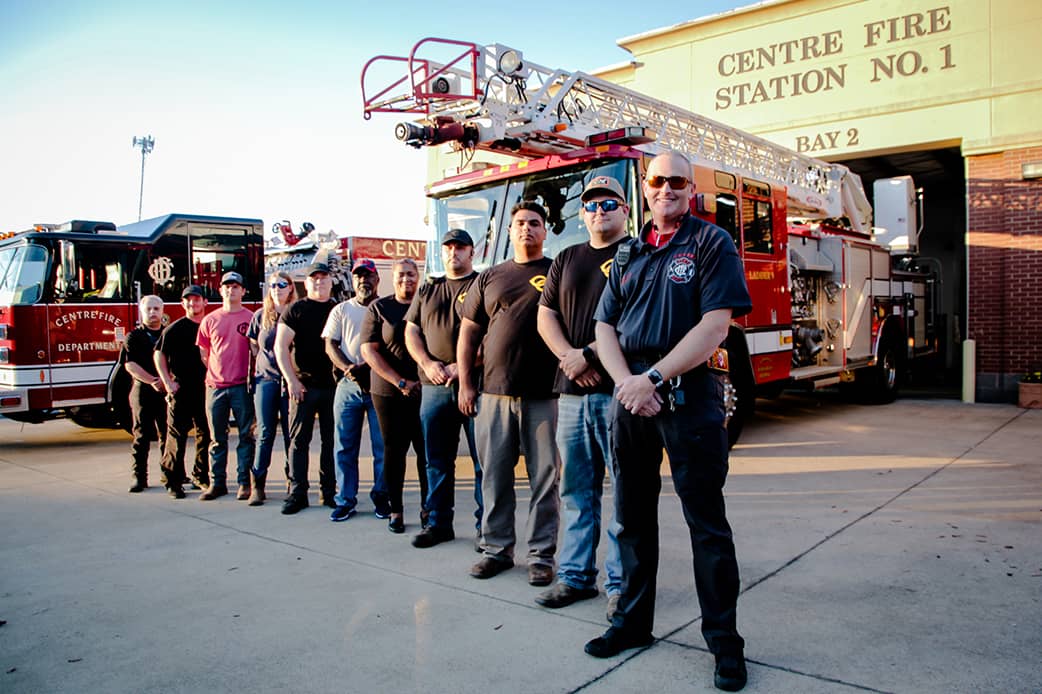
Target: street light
146	144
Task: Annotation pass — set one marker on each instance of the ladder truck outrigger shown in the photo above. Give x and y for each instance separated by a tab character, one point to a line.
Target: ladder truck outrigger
834	300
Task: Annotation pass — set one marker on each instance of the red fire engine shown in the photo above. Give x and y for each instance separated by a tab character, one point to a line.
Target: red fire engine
68	297
339	252
833	301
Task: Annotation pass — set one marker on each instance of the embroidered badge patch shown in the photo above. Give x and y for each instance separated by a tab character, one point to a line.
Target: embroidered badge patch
681	270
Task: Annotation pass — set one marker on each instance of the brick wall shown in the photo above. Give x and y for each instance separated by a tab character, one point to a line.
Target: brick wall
1004	250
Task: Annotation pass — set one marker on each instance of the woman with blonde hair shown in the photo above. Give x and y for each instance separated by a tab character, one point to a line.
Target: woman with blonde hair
270	399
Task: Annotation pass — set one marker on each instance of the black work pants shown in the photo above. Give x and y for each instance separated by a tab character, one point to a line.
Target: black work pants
696	443
399	419
148	424
317	402
186	409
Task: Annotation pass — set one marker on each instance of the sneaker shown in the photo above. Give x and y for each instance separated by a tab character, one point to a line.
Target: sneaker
613	606
615	641
540	575
341	513
563	595
215	491
293	505
730	674
382	509
176	492
489	567
432	535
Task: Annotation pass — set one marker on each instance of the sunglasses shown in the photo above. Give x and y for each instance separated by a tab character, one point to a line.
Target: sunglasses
675	182
281	284
609	205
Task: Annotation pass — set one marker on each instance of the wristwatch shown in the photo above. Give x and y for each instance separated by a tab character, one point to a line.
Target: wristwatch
655	377
401	384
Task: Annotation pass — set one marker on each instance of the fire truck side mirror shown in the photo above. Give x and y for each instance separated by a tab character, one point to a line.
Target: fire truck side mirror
705	203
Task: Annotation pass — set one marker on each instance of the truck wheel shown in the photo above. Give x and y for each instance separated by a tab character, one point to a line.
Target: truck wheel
93	417
879	383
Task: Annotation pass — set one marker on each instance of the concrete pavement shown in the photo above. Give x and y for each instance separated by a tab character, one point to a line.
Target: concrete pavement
893	548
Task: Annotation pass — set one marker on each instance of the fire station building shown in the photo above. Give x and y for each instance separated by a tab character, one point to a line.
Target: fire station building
947	91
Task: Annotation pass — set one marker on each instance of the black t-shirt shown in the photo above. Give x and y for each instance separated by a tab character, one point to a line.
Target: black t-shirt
661	293
504	300
384	323
573	289
183	360
435	311
139	346
306	317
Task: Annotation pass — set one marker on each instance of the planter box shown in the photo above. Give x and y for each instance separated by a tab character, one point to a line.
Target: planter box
1029	395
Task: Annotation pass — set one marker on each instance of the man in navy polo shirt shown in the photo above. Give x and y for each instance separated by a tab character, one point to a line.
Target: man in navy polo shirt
667	306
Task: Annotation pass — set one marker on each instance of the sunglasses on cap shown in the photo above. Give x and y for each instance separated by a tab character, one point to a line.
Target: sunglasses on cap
609	205
675	182
279	284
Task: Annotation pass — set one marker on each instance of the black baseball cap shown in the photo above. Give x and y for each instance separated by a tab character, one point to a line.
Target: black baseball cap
317	267
457	236
193	289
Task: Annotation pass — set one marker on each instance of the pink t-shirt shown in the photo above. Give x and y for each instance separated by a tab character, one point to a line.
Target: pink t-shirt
224	335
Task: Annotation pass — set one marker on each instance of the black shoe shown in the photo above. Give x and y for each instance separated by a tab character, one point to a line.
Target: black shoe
396	525
293	505
176	492
540	575
563	595
432	535
341	513
489	567
215	491
138	487
615	641
730	674
327	500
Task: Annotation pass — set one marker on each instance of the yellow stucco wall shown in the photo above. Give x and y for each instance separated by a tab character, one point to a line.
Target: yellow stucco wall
849	77
835	78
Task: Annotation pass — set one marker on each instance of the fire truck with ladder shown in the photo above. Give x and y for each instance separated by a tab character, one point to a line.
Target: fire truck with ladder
834	300
68	298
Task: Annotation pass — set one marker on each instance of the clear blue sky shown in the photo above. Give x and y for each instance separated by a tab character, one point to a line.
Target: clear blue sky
255	106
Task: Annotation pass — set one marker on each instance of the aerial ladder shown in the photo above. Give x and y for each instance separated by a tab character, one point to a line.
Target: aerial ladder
490	98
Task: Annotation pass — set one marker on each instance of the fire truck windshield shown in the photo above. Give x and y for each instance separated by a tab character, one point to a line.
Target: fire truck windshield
484	212
23	270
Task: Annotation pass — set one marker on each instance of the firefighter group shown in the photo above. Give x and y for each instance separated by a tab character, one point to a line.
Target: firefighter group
595	361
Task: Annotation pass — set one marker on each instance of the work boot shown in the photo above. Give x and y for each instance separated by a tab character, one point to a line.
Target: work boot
244	492
213	491
257	497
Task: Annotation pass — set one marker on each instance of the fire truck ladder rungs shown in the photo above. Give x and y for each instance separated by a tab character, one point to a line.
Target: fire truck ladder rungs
552	111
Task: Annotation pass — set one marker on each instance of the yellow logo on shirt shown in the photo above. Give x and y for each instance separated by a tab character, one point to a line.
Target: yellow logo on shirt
538	282
461	297
606	266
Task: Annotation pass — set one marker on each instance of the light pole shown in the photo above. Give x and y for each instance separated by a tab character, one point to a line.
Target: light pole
146	144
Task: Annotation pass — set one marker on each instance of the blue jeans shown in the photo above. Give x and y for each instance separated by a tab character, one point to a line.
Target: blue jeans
220	402
441	420
350	408
271	406
585	445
